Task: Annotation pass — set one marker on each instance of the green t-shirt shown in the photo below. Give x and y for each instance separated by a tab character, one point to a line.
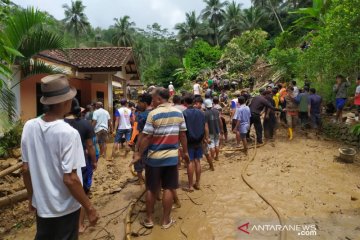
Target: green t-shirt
210	82
303	104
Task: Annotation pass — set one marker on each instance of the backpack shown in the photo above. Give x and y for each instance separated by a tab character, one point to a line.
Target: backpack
195	132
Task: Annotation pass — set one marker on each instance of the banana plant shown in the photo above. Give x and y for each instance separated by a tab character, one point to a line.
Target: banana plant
312	18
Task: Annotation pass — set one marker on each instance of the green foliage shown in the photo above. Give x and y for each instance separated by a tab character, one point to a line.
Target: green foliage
335	49
11	139
214	14
24	35
185	73
191	29
124	32
233	16
155	49
285	55
355	130
312	18
202	56
75	19
242	52
162	74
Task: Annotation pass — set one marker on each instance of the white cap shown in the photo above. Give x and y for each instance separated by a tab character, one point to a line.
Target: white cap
208	103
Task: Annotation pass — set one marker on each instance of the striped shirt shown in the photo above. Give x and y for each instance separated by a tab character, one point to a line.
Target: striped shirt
164	124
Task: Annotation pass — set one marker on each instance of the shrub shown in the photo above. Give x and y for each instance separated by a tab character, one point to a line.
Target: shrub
242	52
11	139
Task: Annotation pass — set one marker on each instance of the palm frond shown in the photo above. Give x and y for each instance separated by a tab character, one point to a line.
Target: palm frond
39	41
7	101
20	24
37	67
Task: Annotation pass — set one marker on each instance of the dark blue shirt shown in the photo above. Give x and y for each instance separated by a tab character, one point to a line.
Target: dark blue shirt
195	124
141	120
315	103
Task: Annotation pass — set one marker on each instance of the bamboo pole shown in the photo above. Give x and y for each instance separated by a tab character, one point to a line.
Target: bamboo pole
10	169
13	198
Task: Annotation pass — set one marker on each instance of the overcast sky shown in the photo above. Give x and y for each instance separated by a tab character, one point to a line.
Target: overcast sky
143	12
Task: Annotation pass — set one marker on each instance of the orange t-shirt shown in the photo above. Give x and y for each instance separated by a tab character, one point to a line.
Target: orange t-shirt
282	94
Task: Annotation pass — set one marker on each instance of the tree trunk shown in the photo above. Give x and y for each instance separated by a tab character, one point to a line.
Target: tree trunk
276	15
13	198
216	36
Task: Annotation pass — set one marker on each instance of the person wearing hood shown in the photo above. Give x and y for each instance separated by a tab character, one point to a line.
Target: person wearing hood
53	156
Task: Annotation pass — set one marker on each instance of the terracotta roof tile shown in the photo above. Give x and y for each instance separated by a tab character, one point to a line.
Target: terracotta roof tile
106	57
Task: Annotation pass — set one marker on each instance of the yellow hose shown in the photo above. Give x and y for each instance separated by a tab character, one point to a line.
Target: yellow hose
282	235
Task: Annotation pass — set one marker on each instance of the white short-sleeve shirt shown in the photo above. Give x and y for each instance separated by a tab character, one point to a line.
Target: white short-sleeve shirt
196	89
102	117
52	149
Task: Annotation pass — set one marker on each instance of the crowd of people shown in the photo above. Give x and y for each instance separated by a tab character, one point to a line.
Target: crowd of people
61	148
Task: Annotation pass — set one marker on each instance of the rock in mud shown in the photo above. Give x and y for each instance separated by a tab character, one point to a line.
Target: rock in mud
354	198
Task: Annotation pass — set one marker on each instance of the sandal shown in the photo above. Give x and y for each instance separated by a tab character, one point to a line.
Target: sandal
186	189
147	224
167	226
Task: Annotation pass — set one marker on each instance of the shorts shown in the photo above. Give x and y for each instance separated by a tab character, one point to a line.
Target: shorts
205	148
64	227
197	95
340	103
214	141
243	135
102	136
122	132
167	177
195	153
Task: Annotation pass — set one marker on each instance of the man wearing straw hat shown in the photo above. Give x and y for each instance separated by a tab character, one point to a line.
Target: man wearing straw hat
52	156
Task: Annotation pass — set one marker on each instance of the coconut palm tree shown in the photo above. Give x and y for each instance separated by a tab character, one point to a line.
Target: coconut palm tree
124	30
214	13
252	18
76	19
232	23
191	29
22	37
272	7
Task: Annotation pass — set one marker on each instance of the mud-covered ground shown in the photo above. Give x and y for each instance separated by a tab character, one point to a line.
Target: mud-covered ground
301	178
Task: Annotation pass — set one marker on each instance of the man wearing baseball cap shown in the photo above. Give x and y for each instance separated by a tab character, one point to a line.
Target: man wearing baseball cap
52	156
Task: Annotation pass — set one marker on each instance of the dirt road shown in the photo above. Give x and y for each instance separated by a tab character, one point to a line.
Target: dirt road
300	178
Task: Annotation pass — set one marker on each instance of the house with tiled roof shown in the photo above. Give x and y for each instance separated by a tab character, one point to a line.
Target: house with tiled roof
96	73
